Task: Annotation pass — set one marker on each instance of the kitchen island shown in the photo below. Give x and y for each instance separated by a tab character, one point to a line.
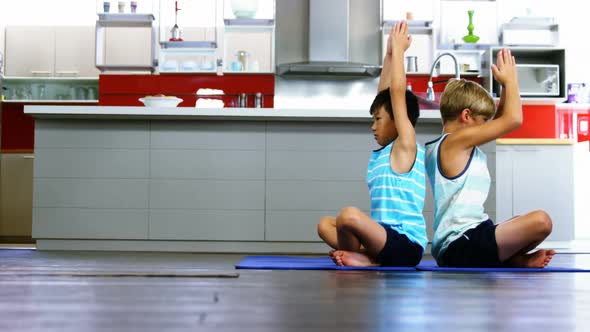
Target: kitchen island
205	180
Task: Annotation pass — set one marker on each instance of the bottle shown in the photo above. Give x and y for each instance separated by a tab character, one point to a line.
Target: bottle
243	100
219	67
409	86
258	100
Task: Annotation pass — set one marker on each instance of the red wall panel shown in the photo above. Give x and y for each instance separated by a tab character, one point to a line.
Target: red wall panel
125	90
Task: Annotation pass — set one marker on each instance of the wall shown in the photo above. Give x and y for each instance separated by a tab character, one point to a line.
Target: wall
83	12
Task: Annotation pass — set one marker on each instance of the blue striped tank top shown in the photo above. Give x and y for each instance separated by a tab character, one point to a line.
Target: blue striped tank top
397	199
458	201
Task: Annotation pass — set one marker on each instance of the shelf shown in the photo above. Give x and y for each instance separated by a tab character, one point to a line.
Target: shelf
50	101
251	22
124	20
36	79
188	45
414	27
466	47
103	68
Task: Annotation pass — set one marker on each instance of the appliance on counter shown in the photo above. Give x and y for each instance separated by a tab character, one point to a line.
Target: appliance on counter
541	72
538	80
176	32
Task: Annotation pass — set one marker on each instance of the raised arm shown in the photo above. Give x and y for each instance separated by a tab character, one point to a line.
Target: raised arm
510	116
500	109
404	149
386	70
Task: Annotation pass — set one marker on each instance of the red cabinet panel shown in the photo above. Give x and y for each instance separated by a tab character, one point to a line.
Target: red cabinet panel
538	122
18	129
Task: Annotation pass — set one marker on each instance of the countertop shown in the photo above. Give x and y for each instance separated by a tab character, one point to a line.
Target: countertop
182	113
535	141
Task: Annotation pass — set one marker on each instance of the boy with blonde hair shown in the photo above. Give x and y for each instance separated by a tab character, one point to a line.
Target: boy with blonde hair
464	236
395	233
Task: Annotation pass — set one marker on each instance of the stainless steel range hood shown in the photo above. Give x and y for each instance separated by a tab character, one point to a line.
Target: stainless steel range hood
329	30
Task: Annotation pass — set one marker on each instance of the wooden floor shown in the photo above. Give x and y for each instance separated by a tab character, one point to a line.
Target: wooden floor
33	299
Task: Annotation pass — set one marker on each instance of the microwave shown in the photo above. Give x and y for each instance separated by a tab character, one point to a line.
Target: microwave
537	80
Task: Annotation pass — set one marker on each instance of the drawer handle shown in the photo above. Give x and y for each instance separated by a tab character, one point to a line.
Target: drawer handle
67	73
30	156
40	72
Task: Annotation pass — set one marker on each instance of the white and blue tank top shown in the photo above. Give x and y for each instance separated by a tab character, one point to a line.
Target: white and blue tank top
397	199
458	200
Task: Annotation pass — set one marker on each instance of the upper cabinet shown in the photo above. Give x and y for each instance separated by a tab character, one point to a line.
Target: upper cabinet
50	51
249	36
74	52
236	36
30	51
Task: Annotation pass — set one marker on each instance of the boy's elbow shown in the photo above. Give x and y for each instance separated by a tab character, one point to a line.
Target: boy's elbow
515	121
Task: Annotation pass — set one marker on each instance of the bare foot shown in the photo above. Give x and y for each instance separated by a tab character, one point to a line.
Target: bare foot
351	258
537	259
332	256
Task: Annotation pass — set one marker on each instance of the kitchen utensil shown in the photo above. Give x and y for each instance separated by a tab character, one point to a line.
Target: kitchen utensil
235	66
243	100
470	38
166	101
243	57
121	6
92	94
244	8
207	65
411	64
176	32
254	66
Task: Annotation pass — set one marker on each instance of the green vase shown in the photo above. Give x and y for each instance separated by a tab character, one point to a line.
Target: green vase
470	38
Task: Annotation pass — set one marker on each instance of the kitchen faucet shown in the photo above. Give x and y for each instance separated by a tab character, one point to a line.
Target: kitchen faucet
430	89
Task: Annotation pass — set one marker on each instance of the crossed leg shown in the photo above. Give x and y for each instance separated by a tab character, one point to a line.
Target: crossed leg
356	238
521	234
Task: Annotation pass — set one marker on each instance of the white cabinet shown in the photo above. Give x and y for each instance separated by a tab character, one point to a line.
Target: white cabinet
125	42
551	177
128	46
16	195
30	51
48	51
74	51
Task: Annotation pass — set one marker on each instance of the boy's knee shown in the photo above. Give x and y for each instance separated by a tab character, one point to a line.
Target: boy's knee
544	222
323	225
348	218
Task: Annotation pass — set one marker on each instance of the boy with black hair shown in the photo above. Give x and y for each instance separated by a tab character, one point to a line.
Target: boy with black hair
395	233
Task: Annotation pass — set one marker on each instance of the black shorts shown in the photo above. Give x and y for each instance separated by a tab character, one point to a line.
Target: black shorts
399	250
477	247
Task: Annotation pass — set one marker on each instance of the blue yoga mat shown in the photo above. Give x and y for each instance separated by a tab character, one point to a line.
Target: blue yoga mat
305	263
430	265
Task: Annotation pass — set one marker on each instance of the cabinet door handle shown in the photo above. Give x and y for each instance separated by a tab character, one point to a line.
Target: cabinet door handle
40	73
29	156
66	73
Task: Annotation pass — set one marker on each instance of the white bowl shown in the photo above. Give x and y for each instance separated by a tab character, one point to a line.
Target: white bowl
168	101
244	8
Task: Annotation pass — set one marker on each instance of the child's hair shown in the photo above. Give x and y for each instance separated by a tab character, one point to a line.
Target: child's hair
383	98
460	94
